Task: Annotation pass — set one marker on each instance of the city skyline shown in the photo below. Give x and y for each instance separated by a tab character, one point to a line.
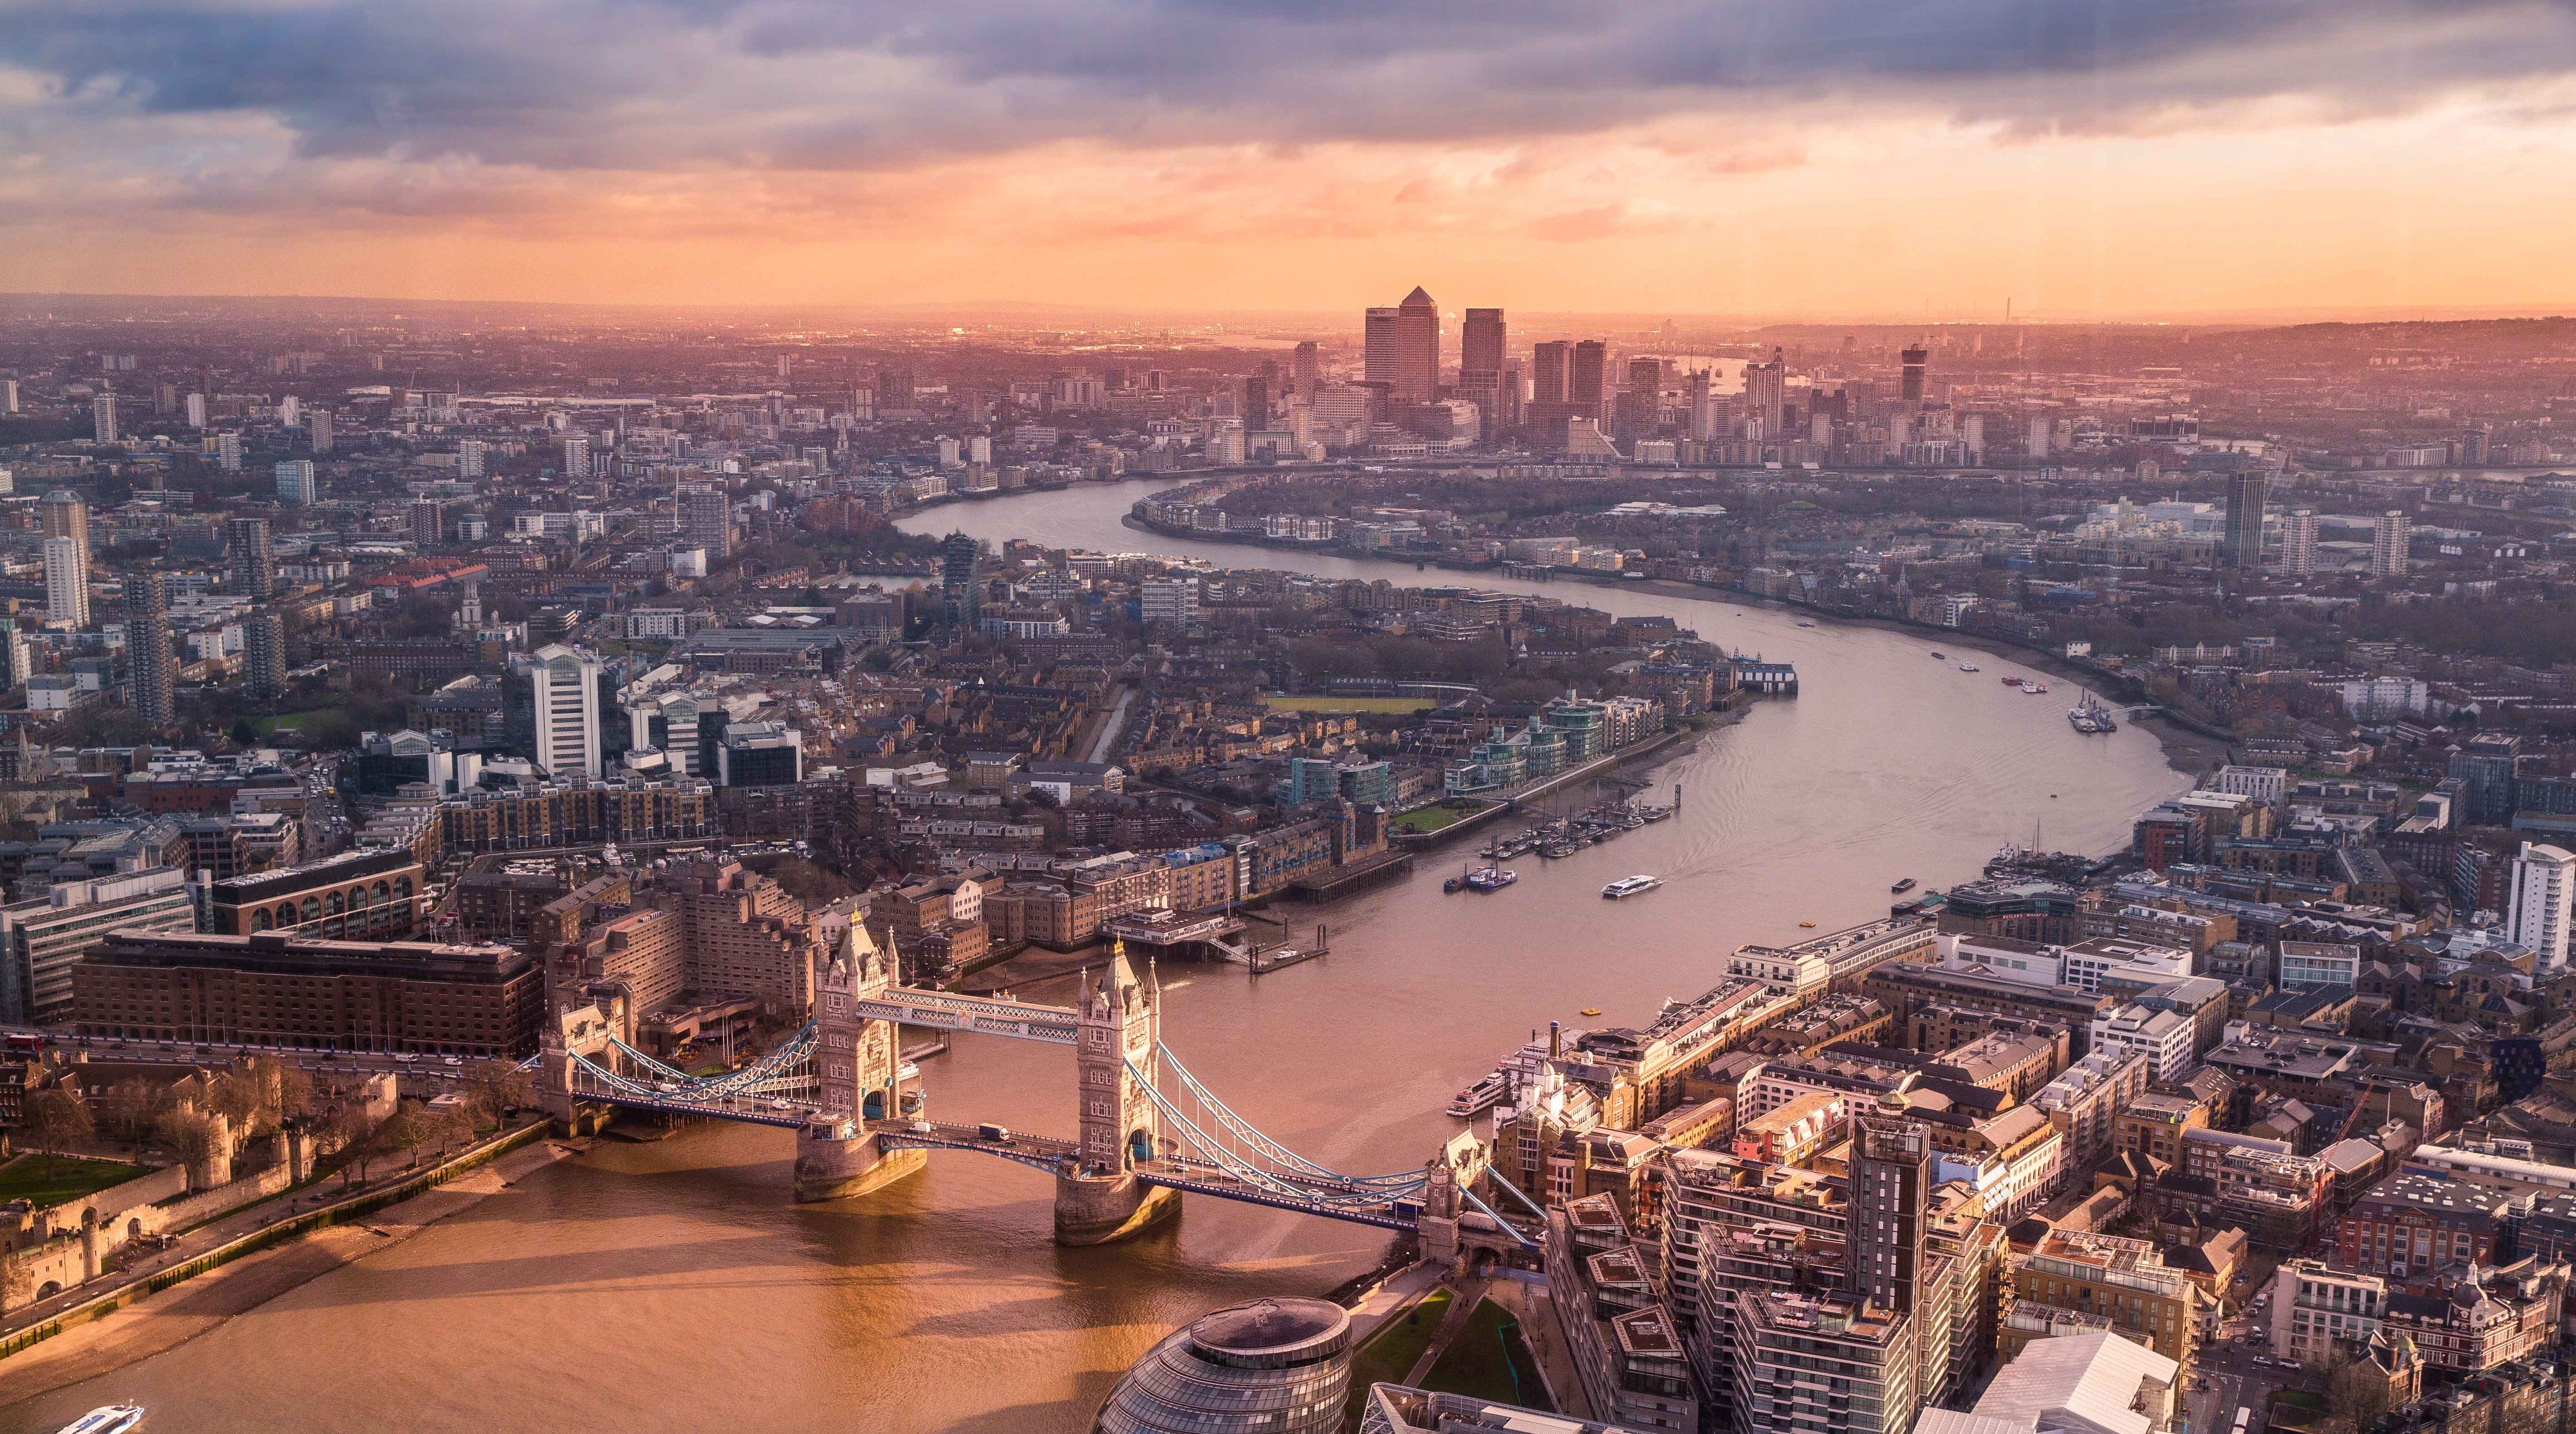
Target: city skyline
1642	158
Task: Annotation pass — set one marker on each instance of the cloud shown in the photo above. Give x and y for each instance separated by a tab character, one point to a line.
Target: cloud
502	110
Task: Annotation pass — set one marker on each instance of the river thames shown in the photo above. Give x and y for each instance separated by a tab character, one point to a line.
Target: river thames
671	1286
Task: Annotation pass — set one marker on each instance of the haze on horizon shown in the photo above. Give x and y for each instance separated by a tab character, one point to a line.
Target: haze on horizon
1838	159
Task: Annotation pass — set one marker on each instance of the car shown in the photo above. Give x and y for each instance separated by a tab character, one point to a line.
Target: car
452	1061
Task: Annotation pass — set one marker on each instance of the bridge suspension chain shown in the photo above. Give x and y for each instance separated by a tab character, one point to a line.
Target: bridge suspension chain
1325	1189
1251	1136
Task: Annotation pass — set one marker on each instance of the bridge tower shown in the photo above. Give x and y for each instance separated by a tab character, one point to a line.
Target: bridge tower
856	1065
1119	1028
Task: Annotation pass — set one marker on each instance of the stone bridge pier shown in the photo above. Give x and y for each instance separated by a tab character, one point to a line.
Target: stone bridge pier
1118	1036
857	1076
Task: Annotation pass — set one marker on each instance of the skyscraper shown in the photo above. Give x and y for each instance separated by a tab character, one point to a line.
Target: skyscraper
102	417
1766	396
195	404
566	693
296	487
2244	547
2544	893
8	397
1587	376
147	646
1913	359
1480	346
1307	369
959	592
263	653
66	583
1256	401
1891	1199
254	563
1550	365
318	423
1402	348
2388	534
2299	543
66	515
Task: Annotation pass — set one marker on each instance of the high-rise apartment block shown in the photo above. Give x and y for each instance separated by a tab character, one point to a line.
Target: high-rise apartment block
65	514
2388	535
263	653
254	564
2299	543
576	457
1910	373
428	522
1766	397
66	583
317	424
2244	541
102	418
706	520
469	458
296	485
960	588
2544	893
1307	370
147	646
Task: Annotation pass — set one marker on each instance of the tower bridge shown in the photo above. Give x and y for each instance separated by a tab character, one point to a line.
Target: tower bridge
1146	1129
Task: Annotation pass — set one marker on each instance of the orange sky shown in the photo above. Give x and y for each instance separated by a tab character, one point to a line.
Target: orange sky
2452	194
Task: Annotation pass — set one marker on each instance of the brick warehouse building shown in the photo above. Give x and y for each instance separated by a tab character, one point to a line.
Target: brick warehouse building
271	989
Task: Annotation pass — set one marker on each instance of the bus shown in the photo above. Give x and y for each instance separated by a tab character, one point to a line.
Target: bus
2243	1414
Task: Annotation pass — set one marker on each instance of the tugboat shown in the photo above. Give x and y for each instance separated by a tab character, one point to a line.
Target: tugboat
1491	878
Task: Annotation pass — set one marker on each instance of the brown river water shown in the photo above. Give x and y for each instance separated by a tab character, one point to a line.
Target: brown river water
675	1286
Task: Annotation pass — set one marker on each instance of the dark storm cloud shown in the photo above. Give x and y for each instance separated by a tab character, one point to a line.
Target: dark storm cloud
800	83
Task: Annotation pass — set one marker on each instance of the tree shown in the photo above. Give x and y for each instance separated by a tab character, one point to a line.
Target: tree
238	1098
128	1109
56	1119
404	1130
190	1134
2357	1393
449	1126
294	1093
498	1087
353	1132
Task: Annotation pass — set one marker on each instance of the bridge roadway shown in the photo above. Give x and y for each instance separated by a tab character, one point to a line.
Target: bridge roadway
1040	1152
949	1011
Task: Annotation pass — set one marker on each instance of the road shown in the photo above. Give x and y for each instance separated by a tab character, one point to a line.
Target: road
2235	1379
1116	724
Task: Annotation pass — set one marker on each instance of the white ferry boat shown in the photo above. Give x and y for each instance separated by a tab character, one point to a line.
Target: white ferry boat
1967	667
1476	1099
113	1419
1629	886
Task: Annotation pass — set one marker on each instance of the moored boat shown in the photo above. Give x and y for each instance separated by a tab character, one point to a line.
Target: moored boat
1480	1097
1491	878
108	1419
